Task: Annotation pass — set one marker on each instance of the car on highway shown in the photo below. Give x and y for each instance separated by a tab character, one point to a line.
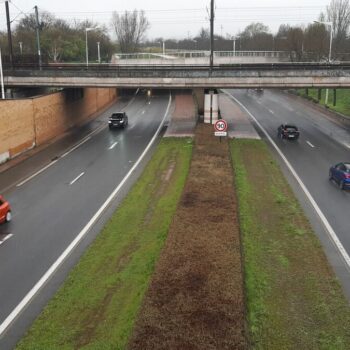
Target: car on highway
340	173
5	210
118	120
288	131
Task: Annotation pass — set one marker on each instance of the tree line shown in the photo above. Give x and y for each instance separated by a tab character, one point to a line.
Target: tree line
63	41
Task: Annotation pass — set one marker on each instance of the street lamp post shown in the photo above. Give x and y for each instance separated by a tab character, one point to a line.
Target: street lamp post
98	52
163	47
234	38
86	45
330	24
20	47
2	79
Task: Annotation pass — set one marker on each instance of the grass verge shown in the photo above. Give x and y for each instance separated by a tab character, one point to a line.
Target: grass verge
342	99
293	298
97	305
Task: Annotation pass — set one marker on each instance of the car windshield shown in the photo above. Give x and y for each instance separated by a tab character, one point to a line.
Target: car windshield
117	116
291	128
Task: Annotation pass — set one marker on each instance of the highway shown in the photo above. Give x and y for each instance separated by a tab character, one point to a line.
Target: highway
322	143
51	208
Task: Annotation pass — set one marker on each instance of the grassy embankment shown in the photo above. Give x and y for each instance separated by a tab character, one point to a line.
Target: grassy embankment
293	298
342	99
97	305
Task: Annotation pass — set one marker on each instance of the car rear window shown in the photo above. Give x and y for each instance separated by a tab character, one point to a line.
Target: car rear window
347	167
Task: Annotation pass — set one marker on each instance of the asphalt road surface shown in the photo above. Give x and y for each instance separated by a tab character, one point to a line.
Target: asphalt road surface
51	209
322	143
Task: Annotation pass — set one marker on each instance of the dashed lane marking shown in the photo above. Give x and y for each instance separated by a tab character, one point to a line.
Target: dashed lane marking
6	238
310	144
112	145
77	178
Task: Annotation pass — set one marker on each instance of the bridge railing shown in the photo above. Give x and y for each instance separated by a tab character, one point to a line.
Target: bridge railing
200	53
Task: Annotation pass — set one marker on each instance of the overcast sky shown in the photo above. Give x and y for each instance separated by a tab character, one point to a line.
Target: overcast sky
180	18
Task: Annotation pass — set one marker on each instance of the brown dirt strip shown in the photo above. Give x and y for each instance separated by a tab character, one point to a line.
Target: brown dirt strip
195	299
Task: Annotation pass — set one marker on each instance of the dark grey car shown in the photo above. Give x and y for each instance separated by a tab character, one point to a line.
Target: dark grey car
118	120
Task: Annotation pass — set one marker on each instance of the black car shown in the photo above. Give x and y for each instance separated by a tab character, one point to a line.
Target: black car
288	131
118	120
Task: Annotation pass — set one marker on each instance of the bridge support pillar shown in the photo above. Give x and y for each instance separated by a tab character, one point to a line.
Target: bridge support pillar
211	106
198	94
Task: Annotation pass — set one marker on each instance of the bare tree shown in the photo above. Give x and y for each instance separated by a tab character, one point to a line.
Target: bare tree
295	42
338	12
254	29
256	36
316	41
130	29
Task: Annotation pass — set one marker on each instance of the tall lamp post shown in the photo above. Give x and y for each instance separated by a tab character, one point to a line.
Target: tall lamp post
98	52
330	24
2	79
234	38
86	45
20	47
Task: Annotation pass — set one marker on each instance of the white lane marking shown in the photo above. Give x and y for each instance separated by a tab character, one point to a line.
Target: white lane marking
52	163
77	178
37	173
346	145
143	112
76	146
6	238
271	111
258	102
18	309
310	144
324	220
113	145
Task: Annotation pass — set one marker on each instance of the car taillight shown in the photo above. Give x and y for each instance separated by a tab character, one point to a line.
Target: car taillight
347	176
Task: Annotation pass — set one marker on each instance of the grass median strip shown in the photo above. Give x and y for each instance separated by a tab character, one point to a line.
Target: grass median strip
293	298
97	305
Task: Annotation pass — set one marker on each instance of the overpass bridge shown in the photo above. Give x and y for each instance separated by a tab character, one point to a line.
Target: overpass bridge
265	75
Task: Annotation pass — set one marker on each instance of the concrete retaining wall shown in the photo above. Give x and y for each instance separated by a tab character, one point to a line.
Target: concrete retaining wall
27	123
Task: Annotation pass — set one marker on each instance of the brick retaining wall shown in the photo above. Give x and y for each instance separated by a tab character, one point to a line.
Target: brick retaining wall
26	123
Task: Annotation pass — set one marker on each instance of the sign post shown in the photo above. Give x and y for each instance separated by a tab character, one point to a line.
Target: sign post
220	128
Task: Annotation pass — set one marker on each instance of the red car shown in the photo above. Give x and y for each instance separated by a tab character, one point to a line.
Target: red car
5	210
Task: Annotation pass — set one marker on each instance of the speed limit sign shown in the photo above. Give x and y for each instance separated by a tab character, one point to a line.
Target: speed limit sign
220	125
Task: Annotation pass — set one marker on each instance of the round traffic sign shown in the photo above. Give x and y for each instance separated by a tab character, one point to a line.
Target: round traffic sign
220	125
